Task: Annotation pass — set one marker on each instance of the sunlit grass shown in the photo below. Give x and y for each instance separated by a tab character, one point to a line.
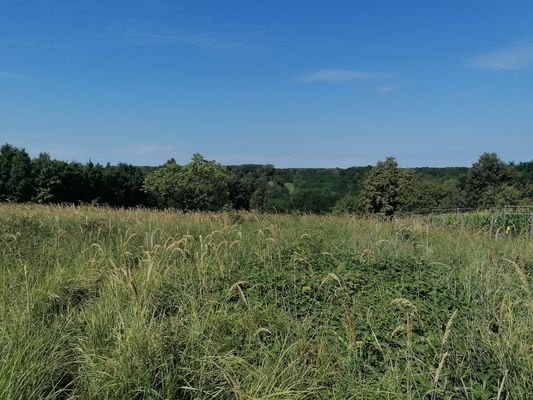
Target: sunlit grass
98	303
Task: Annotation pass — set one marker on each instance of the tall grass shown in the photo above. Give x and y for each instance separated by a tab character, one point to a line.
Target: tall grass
136	304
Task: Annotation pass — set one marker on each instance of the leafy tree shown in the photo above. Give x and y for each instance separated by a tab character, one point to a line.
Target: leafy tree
92	190
16	183
270	196
527	195
240	191
387	187
251	185
450	194
74	183
524	173
260	199
488	173
429	195
500	196
348	204
47	177
164	185
61	182
123	186
200	185
313	200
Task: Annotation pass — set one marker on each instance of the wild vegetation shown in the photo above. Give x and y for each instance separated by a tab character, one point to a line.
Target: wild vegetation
100	303
204	185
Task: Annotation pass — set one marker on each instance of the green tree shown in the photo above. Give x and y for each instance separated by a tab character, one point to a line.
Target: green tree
349	203
502	195
313	200
163	185
387	187
16	181
483	179
123	186
47	176
429	195
200	185
524	172
527	195
270	196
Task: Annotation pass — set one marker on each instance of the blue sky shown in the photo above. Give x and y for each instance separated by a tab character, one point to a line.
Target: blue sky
292	83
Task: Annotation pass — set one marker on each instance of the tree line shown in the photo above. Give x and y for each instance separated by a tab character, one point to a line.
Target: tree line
207	185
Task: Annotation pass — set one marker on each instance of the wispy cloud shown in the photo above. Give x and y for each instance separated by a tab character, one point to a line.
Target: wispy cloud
338	75
137	32
515	56
158	34
199	39
386	88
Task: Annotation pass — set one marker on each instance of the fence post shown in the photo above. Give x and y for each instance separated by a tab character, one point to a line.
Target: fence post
531	225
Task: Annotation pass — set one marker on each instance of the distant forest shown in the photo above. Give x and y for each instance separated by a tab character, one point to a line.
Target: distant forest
206	185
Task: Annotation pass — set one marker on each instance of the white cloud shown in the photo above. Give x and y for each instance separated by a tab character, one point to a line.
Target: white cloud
386	88
137	33
514	56
158	34
201	39
338	75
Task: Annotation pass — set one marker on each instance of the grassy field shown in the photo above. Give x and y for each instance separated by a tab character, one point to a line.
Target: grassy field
112	304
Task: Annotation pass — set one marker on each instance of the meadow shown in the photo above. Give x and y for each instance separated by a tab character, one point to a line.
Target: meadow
100	303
